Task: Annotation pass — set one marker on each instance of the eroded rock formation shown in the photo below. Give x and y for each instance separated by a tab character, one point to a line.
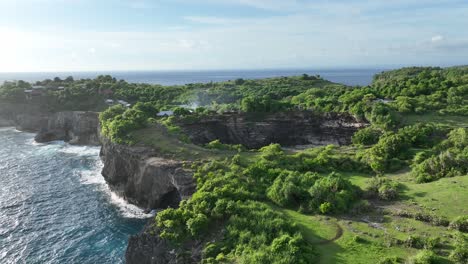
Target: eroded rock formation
287	129
75	127
144	178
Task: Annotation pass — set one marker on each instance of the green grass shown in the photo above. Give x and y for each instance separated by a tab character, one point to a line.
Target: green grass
446	197
448	120
316	229
319	230
170	146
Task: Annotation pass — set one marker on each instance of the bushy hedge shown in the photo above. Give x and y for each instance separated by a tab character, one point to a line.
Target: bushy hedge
367	136
254	232
459	254
460	223
392	150
383	188
425	257
216	144
451	159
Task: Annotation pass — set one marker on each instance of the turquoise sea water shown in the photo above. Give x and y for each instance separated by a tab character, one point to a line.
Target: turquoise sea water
55	206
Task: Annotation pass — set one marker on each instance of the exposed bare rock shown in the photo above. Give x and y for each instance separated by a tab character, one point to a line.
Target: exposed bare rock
77	128
287	129
144	178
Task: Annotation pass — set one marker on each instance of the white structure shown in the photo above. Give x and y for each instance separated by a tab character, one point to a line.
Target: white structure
165	113
385	101
109	101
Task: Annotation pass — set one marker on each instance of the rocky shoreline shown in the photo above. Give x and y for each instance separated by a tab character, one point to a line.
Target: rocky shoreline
138	174
143	177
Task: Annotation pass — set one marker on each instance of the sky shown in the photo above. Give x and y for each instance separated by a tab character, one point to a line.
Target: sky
106	35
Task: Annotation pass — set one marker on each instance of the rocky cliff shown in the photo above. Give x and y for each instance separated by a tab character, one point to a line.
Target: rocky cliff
287	129
148	248
24	117
77	128
143	177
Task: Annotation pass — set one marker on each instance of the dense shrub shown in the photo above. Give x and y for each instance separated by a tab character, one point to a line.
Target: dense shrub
216	144
389	260
254	232
291	188
422	135
460	223
181	111
367	136
383	188
425	257
459	254
383	116
422	242
332	194
117	123
387	154
452	159
263	104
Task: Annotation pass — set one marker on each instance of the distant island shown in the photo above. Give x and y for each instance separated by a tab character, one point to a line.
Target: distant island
279	170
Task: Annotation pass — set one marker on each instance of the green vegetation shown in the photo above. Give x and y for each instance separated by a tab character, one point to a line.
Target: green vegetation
398	194
451	158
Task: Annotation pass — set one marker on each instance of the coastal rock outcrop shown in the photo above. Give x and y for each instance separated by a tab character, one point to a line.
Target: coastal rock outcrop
74	127
143	177
287	129
24	117
148	248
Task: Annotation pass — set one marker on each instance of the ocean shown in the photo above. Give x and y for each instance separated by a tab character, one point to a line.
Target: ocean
55	206
352	77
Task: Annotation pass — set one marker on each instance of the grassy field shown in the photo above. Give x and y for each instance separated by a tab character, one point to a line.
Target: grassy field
366	238
169	145
157	137
352	238
449	120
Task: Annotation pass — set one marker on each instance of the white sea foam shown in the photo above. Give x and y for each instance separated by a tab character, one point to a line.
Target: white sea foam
80	150
93	176
7	129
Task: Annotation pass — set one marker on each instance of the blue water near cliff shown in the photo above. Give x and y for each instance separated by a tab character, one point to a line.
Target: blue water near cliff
346	76
55	206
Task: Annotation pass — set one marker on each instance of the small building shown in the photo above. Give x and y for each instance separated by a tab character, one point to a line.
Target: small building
28	94
109	101
124	103
60	88
166	113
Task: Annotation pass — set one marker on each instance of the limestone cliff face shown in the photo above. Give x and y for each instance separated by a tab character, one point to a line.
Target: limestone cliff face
287	129
143	177
74	127
24	117
148	248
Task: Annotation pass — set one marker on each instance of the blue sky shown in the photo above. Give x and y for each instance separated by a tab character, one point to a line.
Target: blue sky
94	35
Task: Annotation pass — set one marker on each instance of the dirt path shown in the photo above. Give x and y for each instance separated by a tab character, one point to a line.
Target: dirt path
339	233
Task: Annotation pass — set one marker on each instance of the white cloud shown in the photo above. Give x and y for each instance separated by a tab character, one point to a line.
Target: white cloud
92	50
212	20
437	38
